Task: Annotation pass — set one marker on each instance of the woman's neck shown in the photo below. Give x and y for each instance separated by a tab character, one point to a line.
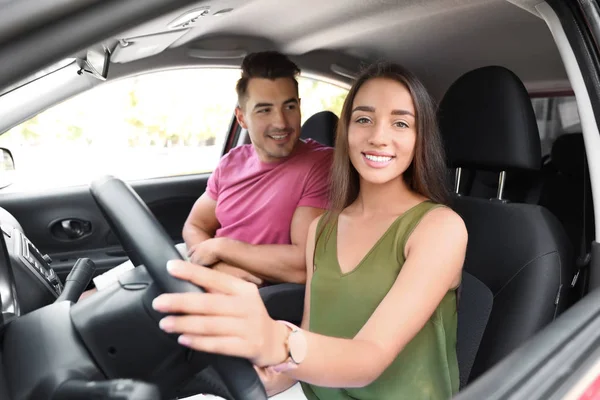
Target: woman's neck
393	197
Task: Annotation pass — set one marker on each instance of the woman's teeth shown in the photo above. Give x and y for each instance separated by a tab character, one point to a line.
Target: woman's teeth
380	159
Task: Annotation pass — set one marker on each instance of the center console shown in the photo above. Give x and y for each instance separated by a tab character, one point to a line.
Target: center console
37	284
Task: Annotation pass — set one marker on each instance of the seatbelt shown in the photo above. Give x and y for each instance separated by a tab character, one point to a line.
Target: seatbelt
584	253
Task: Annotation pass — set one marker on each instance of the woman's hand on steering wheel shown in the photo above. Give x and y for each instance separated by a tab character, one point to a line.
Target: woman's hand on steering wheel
229	319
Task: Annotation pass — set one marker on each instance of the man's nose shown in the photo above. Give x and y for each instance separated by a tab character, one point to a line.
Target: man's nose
280	119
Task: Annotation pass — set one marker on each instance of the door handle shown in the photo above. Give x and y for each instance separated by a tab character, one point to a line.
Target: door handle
71	228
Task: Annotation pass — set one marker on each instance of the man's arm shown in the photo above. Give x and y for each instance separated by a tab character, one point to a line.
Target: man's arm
274	262
201	224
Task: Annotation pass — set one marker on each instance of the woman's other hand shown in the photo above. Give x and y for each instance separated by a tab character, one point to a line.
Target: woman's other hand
274	382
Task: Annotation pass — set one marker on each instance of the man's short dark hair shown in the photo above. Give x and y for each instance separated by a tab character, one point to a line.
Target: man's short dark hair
265	64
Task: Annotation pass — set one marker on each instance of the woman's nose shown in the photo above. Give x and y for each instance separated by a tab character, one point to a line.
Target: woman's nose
378	136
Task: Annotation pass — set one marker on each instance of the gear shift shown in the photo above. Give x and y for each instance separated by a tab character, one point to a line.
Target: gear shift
78	279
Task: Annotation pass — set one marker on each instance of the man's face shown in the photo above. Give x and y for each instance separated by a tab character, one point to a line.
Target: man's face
271	114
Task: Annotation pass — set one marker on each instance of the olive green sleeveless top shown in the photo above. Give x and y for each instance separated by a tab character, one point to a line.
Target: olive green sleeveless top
340	304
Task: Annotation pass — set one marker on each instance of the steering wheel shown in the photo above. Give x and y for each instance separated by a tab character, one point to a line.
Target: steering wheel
146	242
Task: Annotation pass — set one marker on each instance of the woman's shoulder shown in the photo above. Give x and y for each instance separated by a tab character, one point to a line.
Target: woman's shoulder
317	225
440	221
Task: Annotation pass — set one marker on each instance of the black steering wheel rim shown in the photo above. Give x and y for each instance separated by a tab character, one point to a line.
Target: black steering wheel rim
144	237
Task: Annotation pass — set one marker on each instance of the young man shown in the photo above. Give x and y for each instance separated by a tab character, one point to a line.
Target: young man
253	219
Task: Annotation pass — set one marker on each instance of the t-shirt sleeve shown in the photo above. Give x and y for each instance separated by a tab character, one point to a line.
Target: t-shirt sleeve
212	186
316	190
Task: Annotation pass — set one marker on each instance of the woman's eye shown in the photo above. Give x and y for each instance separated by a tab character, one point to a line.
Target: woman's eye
401	124
363	120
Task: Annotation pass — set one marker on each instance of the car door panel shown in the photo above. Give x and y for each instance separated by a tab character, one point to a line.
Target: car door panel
66	224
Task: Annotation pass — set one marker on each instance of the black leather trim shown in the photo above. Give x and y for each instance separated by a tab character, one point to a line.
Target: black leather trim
487	122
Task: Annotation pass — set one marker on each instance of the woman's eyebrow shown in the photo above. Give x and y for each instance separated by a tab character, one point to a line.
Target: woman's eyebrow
372	109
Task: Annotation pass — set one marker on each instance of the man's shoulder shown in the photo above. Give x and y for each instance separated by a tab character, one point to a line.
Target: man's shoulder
237	155
314	152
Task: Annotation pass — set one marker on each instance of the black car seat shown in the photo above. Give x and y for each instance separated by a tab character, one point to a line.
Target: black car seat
320	127
519	251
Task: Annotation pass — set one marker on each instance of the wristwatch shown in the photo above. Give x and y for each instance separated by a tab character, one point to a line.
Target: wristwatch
296	348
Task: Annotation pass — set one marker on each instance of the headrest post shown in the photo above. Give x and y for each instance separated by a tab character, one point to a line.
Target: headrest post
501	182
457	175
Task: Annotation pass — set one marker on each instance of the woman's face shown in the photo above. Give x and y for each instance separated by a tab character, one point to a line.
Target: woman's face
382	131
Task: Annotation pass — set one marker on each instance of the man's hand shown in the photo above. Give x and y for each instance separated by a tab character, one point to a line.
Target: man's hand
206	252
238	272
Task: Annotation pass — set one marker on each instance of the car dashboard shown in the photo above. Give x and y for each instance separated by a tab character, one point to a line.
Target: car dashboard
36	282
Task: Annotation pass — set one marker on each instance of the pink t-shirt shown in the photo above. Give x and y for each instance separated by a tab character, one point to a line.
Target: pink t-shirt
256	200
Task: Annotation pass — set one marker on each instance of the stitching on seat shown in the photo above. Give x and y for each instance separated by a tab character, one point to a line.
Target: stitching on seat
522	268
560	284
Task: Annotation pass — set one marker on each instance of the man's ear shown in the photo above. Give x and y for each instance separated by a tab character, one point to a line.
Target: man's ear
239	115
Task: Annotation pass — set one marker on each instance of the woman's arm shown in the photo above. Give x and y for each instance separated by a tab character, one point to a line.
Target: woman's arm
435	256
231	318
276	383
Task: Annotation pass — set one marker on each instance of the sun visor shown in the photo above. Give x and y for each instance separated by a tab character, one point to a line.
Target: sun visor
136	48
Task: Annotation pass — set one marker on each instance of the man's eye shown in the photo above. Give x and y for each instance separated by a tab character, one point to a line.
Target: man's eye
263	110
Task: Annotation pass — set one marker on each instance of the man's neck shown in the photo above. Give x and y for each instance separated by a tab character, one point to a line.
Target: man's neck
265	159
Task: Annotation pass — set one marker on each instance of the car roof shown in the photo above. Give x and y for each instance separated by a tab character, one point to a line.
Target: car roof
437	39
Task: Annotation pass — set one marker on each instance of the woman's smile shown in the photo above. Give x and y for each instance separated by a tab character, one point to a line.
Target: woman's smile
376	159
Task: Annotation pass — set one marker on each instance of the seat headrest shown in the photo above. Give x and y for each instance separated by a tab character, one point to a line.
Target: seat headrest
321	127
567	154
487	122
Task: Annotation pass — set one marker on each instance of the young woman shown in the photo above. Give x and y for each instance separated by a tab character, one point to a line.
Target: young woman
383	266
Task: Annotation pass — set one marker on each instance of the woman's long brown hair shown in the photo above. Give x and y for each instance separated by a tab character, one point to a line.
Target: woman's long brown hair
426	175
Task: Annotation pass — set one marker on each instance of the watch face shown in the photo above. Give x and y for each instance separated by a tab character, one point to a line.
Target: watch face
298	346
